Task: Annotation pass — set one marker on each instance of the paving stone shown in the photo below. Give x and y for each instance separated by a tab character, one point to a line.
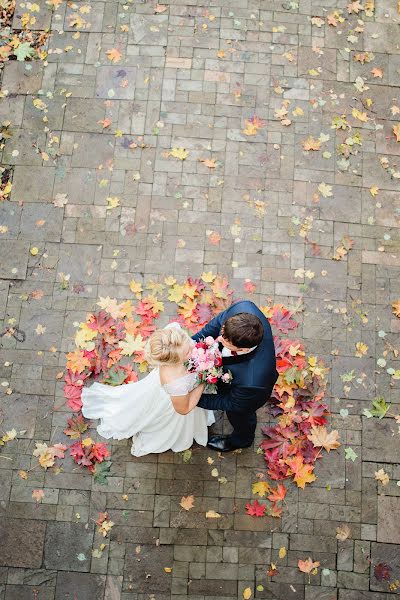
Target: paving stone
148	29
375	436
32	184
116	83
42	327
19	411
72	585
4	287
388	526
64	542
145	572
21	77
24	592
22	543
50	222
14	259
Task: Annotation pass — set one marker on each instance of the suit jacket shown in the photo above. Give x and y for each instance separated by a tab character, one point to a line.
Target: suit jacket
254	373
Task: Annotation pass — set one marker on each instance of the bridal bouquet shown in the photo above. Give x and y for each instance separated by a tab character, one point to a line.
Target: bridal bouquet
206	362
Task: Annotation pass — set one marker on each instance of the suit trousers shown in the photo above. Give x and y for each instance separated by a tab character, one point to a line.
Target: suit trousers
244	428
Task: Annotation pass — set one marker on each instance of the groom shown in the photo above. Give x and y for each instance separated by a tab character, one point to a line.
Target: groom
248	352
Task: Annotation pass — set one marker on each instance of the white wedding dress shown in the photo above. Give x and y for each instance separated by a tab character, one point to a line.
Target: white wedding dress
143	410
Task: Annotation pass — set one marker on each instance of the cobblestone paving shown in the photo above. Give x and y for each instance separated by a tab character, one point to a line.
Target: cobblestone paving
189	76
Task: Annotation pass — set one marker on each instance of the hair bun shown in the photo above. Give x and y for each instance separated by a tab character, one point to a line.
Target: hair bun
165	346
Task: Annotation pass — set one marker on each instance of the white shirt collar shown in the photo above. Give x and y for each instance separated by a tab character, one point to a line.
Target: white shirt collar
227	352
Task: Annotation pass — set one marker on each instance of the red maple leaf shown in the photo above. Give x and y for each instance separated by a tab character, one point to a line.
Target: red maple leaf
282	319
101	322
382	571
255	509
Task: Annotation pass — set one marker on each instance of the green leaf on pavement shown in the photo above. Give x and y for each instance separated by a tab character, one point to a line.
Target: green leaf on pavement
24	51
380	408
350	454
101	472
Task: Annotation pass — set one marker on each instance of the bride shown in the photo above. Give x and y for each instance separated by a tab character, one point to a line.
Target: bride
160	411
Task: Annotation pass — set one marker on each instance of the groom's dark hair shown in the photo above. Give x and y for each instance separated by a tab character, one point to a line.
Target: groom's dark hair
243	330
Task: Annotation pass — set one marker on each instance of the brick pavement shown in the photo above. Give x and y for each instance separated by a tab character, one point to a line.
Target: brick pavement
86	129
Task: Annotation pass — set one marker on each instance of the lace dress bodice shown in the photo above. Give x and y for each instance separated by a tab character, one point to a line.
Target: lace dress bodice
181	386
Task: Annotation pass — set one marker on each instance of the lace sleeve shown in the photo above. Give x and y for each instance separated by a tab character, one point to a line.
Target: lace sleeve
180	386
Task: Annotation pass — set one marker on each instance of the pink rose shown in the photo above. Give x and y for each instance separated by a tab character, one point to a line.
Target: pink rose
209	340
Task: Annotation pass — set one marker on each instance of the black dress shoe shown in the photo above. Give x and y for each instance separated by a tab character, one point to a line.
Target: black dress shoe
221	443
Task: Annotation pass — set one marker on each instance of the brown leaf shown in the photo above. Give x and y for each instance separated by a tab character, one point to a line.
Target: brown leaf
343	532
321	438
396	308
160	8
311	143
187	502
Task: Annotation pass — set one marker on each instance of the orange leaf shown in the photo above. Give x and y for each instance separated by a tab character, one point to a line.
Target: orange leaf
376	72
105	122
306	566
208	162
278	494
114	55
77	362
396	131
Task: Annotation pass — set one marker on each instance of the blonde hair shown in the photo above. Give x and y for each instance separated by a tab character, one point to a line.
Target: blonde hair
165	346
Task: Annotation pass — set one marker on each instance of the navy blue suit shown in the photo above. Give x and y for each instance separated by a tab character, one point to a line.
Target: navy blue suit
254	376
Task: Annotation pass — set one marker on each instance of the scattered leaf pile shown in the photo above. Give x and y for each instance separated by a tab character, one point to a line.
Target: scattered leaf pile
21	44
110	348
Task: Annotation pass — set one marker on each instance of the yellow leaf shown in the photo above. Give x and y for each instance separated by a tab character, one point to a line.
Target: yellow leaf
170	280
361	116
168	569
113	202
34	250
180	153
23	474
396	131
247	593
261	488
175	294
131	344
87	442
208	277
211	514
325	189
361	349
136	288
282	552
382	477
374	190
